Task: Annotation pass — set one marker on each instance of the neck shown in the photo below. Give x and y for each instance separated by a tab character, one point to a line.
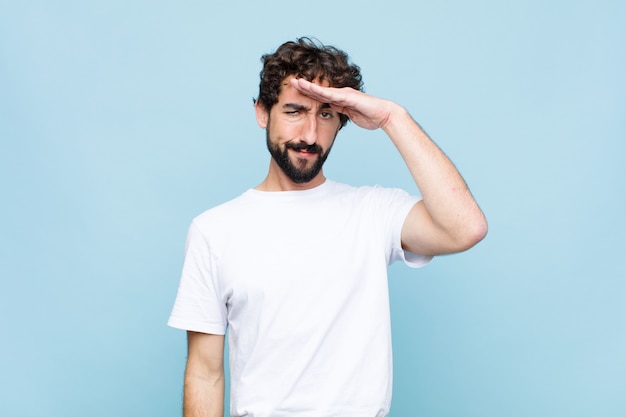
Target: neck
276	180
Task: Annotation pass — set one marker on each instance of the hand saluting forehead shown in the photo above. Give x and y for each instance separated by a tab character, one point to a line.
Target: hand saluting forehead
364	110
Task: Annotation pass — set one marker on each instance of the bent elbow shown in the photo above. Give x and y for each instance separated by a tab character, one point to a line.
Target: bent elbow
475	232
467	236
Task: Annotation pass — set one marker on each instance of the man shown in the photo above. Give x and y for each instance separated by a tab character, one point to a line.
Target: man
296	268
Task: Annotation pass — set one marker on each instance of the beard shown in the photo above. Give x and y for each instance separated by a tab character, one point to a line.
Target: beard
298	172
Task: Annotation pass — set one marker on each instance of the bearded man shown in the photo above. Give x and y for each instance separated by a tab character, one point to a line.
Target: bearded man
296	268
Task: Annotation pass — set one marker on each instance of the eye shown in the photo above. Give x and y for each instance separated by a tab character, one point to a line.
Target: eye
326	115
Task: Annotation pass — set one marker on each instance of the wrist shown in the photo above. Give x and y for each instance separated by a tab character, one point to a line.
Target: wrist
397	117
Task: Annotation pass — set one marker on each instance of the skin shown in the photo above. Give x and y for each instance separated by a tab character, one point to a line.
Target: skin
447	220
297	118
204	376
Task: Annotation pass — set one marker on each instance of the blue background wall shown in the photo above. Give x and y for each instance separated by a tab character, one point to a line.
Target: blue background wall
120	121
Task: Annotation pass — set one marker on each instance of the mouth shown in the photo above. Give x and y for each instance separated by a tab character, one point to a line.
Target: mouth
304	149
305	152
302	156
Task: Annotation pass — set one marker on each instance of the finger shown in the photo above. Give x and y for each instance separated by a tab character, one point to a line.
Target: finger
316	91
308	88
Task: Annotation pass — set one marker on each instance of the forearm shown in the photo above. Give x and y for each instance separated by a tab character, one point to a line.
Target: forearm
445	194
203	397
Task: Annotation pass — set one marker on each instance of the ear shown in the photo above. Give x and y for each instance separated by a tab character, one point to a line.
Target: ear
262	115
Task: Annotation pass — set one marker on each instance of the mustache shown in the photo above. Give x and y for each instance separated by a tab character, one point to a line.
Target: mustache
301	146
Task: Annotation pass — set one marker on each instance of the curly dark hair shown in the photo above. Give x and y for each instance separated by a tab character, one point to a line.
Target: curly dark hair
309	59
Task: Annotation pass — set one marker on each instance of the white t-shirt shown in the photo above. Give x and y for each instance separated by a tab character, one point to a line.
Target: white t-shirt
299	278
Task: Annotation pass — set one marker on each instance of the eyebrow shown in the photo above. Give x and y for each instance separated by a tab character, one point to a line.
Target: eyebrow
296	107
300	107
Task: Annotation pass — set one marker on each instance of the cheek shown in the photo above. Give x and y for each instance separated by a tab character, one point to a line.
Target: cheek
328	134
283	131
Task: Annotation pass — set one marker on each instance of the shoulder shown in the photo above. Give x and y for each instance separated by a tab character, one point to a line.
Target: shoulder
369	192
342	189
221	214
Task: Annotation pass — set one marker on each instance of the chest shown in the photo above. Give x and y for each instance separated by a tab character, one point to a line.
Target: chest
290	257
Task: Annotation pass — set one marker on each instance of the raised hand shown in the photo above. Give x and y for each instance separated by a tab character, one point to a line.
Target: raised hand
365	111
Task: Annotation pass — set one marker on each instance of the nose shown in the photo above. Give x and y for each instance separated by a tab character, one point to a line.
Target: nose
309	130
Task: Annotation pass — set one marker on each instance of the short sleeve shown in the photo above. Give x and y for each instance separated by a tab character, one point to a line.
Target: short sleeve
399	203
199	306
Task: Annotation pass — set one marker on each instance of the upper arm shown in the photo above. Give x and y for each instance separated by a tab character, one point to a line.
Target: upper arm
423	236
205	355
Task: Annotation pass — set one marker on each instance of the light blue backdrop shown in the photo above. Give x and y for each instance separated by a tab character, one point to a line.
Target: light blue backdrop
121	120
